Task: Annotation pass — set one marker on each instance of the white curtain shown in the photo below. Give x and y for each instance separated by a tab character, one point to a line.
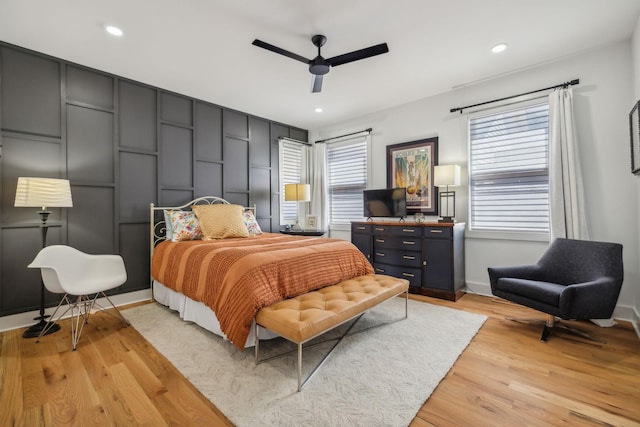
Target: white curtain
566	193
317	174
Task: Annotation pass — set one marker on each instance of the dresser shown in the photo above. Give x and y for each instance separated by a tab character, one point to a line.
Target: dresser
429	255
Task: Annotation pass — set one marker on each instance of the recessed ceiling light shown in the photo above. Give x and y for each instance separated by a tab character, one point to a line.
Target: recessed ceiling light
113	30
318	110
499	48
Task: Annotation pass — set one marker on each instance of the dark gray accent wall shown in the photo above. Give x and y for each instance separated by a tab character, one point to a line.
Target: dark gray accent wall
122	144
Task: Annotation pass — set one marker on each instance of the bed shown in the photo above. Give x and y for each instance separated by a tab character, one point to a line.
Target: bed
211	262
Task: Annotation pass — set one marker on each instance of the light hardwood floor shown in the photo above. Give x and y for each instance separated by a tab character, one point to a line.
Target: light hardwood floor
506	376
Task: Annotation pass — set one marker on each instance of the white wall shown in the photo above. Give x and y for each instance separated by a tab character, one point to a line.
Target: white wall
602	104
635	45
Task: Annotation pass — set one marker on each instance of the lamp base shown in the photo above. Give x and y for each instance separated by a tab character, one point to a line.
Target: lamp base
34	330
296	226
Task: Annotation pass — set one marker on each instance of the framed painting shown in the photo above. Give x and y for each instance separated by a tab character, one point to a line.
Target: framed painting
410	165
634	133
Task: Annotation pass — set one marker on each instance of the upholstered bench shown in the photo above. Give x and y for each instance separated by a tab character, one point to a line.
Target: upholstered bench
307	316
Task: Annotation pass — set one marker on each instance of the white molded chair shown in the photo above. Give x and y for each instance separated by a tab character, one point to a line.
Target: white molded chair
66	270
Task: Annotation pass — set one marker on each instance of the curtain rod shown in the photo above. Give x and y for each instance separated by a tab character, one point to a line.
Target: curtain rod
563	85
286	138
342	136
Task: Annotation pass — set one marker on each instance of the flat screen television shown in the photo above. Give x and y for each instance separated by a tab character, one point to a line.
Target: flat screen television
386	202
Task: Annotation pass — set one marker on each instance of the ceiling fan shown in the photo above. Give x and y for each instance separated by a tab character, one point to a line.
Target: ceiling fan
320	66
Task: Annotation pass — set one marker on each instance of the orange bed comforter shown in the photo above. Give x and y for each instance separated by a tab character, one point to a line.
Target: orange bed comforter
237	277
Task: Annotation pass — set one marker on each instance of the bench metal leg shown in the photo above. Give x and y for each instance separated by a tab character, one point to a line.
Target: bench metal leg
326	356
300	366
339	340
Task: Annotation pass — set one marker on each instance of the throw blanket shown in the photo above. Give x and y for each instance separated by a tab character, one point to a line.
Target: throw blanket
237	277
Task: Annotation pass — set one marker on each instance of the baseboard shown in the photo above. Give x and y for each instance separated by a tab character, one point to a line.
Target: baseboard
636	323
478	288
22	320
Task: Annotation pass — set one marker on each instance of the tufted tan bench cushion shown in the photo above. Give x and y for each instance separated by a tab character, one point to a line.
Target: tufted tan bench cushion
309	315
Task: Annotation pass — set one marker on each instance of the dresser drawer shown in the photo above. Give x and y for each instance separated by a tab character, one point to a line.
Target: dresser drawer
397	257
361	228
438	232
405	243
396	230
413	275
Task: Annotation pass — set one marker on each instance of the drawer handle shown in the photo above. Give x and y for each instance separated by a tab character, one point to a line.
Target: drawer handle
408	230
361	228
406	242
379	254
380	240
436	231
379	229
379	270
408	275
408	257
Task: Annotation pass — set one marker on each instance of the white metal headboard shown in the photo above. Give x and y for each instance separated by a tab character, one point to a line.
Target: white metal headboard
158	227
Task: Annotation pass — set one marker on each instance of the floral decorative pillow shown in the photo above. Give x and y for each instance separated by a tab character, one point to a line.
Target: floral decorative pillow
250	221
183	225
167	225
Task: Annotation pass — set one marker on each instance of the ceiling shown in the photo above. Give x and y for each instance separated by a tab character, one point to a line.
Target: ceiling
202	48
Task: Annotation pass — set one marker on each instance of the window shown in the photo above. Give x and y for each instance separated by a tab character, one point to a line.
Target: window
346	179
292	155
508	170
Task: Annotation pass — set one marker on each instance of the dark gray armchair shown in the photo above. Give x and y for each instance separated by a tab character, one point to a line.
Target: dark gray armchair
574	279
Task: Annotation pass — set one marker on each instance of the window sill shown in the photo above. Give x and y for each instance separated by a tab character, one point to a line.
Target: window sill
507	235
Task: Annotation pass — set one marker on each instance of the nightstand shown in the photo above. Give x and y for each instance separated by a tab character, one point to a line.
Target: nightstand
304	232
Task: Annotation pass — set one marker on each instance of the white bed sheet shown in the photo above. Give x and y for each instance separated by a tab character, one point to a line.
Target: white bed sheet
198	313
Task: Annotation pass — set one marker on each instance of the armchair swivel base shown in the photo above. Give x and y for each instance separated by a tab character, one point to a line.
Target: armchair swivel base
552	323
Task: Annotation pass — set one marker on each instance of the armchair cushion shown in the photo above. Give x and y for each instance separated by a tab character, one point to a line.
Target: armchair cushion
545	292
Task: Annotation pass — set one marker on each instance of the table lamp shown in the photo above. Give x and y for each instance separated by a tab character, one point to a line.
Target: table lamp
297	193
445	176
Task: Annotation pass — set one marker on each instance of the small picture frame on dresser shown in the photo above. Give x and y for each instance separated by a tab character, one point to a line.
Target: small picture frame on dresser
311	223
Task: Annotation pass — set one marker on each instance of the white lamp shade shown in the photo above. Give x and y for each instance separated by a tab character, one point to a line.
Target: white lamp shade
297	192
446	175
43	192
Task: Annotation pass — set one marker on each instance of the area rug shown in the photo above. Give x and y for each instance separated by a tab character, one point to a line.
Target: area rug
379	377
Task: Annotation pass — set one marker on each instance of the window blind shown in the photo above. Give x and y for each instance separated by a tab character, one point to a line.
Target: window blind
346	179
508	171
291	157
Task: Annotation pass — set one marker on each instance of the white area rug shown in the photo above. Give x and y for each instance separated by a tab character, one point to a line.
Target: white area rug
380	377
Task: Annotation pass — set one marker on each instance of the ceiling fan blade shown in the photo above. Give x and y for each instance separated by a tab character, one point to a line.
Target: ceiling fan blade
281	51
317	83
358	54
